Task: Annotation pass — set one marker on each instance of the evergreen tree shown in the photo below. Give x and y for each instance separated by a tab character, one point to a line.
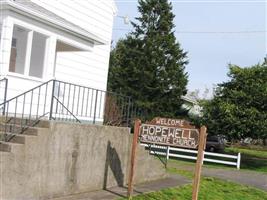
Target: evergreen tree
149	64
239	107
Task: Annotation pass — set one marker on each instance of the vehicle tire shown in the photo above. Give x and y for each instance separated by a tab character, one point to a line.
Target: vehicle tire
211	149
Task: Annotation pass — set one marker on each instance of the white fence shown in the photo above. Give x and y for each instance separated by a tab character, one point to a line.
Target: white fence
175	152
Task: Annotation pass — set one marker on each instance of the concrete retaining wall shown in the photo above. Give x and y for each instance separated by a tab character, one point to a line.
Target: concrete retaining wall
72	158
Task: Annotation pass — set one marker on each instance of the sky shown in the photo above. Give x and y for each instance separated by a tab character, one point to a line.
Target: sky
214	33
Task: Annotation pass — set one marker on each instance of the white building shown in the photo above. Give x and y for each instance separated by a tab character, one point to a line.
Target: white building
193	107
64	39
67	40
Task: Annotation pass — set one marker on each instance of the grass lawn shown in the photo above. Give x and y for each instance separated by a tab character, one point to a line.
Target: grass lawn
213	188
210	189
249	152
251	159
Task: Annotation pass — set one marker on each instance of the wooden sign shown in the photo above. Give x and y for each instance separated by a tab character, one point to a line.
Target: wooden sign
171	132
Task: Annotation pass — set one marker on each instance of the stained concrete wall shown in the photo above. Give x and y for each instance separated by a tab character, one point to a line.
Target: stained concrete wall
72	158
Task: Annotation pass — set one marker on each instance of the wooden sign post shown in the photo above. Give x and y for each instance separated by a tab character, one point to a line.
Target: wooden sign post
200	156
137	125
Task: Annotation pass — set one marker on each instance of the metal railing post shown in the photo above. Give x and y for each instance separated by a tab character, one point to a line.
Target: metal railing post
95	106
52	101
5	96
128	112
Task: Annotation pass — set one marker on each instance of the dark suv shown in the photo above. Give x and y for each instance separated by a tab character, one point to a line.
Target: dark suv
215	143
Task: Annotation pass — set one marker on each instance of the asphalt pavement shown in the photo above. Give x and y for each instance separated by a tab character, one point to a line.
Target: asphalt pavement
245	177
117	192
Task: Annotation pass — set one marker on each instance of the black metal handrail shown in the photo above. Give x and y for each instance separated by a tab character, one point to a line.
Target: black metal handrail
25	110
58	100
92	105
4	82
65	117
22	94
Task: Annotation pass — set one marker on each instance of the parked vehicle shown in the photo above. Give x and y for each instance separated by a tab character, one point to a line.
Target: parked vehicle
215	143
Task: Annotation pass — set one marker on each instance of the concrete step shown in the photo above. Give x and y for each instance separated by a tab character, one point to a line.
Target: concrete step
14	138
43	124
17	129
6	147
19	121
9	147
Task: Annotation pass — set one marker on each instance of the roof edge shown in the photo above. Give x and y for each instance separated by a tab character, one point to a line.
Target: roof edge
187	99
7	4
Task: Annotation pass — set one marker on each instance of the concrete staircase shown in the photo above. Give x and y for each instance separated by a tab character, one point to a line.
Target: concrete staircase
11	129
18	157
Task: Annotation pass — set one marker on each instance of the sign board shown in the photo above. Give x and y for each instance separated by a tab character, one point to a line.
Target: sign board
171	122
171	132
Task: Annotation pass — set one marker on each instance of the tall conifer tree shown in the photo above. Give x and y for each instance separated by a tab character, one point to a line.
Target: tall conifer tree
149	64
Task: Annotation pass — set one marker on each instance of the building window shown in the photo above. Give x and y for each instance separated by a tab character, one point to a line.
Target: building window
28	52
37	55
18	50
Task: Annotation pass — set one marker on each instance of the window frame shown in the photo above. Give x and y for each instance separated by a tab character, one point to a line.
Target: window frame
31	29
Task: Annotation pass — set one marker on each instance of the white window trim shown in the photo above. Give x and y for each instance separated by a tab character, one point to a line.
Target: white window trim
51	34
50	52
6	40
32	29
21	76
46	56
28	53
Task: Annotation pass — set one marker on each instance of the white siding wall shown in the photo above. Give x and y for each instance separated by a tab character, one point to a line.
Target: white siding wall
96	16
5	44
86	68
0	28
1	24
2	84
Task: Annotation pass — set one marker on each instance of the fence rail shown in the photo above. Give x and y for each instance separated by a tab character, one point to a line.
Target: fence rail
89	104
175	153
